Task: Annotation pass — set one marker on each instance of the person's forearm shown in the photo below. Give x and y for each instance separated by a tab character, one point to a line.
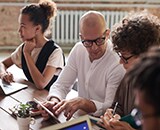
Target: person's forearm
2	69
36	75
88	106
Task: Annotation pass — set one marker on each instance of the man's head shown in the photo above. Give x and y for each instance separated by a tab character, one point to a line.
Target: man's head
145	76
94	34
134	35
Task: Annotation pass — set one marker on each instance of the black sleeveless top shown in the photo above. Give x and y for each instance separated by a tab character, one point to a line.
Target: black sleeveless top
41	62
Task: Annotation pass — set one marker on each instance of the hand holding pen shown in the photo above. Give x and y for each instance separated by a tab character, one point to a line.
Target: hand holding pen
109	115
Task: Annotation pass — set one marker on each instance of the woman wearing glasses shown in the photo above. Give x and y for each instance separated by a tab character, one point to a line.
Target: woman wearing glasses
131	37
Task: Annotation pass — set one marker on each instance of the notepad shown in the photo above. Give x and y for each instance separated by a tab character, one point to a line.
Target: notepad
13	87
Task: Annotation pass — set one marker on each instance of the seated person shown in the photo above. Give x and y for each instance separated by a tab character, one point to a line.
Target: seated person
40	58
94	63
131	38
146	81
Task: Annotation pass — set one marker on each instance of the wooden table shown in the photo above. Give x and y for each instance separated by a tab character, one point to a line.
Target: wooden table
7	122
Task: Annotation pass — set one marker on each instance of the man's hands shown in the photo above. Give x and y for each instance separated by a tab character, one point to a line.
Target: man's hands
49	105
69	107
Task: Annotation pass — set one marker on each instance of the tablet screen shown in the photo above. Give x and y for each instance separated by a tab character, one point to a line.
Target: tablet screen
79	126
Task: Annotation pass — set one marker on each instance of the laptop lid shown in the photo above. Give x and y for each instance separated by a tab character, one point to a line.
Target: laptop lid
13	87
81	123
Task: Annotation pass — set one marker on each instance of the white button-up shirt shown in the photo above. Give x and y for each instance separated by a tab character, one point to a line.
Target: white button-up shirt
97	80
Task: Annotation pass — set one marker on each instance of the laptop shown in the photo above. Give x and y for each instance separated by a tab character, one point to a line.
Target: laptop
7	89
81	123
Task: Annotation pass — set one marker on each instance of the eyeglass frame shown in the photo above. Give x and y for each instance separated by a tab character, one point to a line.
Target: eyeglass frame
95	41
124	59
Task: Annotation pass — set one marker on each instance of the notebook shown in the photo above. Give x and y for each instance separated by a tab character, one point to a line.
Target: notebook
81	123
13	87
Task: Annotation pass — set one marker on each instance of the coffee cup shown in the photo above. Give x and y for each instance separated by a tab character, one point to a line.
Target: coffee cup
24	123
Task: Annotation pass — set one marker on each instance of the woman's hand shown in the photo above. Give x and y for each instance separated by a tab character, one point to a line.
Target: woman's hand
29	45
116	125
111	122
7	77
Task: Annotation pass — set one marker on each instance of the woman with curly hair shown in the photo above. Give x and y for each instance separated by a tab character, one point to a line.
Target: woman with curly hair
133	36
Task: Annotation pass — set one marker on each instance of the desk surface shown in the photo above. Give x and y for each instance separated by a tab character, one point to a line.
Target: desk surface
7	122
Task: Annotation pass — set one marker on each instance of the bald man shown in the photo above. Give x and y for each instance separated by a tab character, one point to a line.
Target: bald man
94	63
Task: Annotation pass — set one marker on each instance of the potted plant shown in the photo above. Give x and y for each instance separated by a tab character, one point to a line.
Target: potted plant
23	116
23	110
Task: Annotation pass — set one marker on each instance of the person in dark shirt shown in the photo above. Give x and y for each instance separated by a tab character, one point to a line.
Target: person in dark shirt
133	36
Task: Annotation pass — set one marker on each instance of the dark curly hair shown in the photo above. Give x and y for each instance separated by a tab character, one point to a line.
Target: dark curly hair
41	13
145	76
136	33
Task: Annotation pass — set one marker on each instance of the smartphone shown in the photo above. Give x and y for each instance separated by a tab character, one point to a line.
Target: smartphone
34	111
47	110
33	105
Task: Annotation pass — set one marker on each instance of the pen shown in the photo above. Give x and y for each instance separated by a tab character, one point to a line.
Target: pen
115	107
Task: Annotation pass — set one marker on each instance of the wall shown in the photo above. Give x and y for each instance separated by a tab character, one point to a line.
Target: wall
9	21
9	25
9	37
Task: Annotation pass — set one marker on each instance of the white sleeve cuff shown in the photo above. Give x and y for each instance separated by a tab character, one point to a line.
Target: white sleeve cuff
99	107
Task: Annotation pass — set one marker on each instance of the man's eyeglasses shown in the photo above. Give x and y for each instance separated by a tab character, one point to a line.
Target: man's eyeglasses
99	41
124	59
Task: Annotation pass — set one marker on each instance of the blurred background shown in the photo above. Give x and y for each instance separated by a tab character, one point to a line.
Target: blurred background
64	29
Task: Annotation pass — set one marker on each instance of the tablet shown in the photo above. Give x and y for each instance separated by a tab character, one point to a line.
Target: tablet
81	123
47	110
13	87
